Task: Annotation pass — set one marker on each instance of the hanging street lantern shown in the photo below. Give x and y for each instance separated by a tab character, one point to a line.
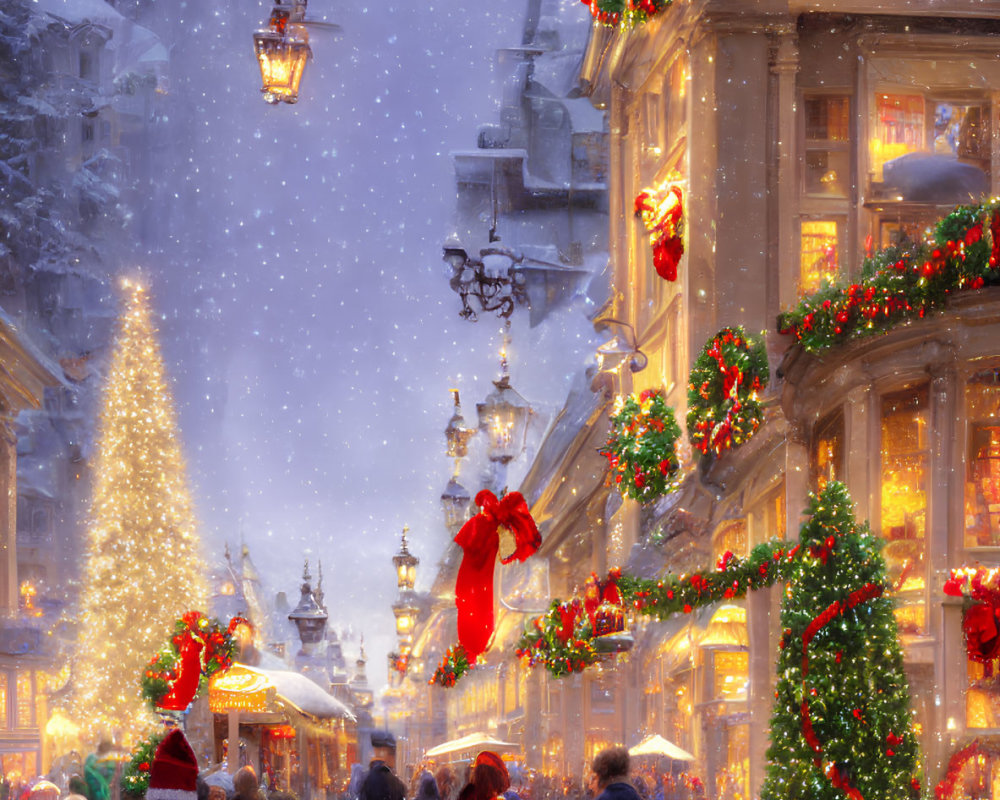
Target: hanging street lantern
503	415
456	504
406	566
282	50
456	434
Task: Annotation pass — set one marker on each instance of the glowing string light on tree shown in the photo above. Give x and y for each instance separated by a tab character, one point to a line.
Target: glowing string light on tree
143	567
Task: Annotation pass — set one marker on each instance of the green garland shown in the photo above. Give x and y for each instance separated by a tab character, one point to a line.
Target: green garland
135	775
217	654
626	13
454	664
642	446
768	563
562	640
902	283
723	406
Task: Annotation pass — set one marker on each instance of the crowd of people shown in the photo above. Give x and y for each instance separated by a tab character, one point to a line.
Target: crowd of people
174	775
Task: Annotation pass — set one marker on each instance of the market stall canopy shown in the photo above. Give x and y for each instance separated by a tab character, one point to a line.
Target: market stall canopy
474	742
254	690
656	745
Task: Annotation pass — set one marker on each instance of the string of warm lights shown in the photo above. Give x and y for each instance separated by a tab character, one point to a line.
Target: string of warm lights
143	565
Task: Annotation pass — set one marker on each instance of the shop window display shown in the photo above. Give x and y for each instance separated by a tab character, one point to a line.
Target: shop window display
25	699
826	458
903	517
819	261
982	467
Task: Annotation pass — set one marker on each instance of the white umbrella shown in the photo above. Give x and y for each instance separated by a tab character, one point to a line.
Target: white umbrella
656	745
474	741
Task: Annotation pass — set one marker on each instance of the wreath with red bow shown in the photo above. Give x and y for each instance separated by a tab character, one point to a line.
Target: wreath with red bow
642	446
662	212
198	648
724	408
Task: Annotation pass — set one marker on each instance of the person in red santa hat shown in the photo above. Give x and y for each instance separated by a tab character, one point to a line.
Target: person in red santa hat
174	774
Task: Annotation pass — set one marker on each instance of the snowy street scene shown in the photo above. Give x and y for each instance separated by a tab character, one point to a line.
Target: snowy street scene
545	401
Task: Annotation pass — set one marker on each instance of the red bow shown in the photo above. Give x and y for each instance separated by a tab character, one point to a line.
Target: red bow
982	633
479	539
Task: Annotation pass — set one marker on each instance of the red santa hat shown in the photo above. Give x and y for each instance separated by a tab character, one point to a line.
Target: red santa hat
174	773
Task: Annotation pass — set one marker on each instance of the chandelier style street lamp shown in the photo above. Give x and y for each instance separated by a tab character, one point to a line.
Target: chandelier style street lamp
456	434
282	50
494	280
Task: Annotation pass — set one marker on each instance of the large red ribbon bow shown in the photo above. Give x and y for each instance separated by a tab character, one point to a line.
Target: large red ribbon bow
479	539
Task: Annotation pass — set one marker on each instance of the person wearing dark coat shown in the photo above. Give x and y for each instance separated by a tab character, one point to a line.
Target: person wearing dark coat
381	782
611	771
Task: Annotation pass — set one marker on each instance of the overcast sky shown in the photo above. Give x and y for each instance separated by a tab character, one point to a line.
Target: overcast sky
307	322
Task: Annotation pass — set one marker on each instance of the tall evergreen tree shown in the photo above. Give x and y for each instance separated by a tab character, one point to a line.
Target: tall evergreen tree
143	568
841	724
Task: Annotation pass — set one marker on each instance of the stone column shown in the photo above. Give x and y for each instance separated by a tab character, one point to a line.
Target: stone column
785	67
8	518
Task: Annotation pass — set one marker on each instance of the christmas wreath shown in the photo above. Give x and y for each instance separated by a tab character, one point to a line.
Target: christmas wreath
902	282
642	446
981	620
454	664
723	406
662	212
625	13
135	774
198	648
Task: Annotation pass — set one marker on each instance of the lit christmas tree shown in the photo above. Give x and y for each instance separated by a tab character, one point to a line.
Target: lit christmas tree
143	566
841	725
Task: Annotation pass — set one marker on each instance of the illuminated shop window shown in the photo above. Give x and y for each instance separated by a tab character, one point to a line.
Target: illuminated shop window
731	537
828	156
898	128
678	708
732	674
982	698
818	256
826	456
982	460
929	148
904	501
25	699
18	767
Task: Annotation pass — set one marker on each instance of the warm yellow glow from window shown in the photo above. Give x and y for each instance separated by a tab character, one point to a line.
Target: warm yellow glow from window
897	129
904	500
818	259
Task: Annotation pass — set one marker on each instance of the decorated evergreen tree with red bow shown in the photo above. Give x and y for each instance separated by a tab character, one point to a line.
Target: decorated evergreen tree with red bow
841	724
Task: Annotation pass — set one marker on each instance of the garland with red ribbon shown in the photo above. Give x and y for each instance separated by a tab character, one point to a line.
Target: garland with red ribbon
662	213
198	648
724	408
902	283
642	446
945	790
563	639
625	13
